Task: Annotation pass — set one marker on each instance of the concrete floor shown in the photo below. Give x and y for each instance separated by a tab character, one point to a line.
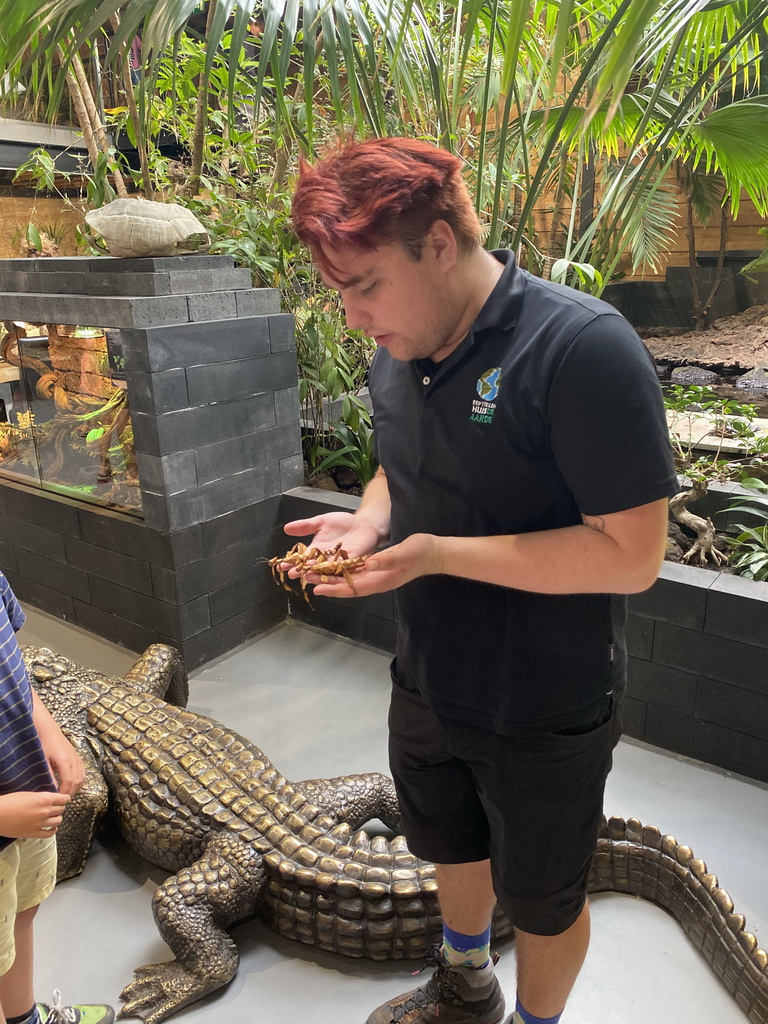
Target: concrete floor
316	705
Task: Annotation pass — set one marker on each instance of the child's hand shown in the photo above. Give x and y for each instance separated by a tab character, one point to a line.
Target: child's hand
66	764
31	815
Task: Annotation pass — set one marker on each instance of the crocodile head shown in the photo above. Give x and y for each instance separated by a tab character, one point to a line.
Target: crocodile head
61	685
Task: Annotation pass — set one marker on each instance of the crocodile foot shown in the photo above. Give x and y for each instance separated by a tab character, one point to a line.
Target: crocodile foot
162	989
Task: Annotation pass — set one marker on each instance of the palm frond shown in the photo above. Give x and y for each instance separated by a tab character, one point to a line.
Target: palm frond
734	141
705	194
648	233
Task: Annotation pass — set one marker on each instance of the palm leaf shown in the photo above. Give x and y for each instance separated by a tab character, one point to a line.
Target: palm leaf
649	233
734	141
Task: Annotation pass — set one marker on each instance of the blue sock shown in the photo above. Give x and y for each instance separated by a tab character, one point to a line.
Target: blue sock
30	1017
462	950
521	1016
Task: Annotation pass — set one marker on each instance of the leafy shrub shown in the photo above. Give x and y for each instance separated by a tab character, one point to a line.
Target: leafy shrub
724	418
355	453
750	546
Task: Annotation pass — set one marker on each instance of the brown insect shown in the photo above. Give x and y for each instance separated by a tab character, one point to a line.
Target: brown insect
333	562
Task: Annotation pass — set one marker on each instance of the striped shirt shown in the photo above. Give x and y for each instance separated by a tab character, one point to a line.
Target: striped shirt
23	766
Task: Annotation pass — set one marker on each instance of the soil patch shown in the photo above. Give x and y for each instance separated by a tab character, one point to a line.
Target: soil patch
738	341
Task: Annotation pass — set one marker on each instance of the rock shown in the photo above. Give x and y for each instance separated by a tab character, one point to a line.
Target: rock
674	552
694	375
345	477
756	379
678	537
323	482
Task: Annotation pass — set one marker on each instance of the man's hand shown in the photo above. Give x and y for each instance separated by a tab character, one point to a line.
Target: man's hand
31	815
357	536
418	555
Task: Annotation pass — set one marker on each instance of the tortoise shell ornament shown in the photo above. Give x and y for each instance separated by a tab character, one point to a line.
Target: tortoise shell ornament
140	227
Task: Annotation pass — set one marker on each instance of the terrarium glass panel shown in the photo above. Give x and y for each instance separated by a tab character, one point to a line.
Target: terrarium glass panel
65	422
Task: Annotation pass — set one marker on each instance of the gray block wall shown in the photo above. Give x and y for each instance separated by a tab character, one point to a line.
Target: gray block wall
669	303
698	674
203	589
214	407
211	371
697	641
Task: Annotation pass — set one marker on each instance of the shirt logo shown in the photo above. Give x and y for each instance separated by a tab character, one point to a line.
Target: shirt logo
488	390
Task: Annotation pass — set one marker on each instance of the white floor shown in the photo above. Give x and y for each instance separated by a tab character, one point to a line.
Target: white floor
316	705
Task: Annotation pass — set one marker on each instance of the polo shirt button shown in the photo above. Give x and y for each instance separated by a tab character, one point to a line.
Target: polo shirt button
426	380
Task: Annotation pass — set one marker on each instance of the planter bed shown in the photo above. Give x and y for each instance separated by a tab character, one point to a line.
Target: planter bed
697	640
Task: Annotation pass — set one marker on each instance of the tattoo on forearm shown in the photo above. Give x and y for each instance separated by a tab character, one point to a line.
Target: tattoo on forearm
594	523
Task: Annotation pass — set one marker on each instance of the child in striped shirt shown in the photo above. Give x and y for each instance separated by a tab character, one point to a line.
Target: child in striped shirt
40	772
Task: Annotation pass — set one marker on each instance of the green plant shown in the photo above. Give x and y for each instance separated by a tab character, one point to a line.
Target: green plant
705	413
333	367
760	264
245	206
579	275
699	412
364	64
95	187
40	169
586	108
750	546
583	106
355	453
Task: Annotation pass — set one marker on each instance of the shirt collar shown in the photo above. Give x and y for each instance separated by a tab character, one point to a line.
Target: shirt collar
499	312
502	306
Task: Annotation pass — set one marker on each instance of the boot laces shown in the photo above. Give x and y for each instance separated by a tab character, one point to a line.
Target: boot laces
441	987
59	1014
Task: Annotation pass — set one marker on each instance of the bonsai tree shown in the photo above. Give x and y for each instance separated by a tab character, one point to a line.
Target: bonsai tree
700	413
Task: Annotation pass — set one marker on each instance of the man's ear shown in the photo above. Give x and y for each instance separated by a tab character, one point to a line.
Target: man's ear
442	242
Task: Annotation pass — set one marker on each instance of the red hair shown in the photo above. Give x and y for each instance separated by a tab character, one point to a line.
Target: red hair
366	194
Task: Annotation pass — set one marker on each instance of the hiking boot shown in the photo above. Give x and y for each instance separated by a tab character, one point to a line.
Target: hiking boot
453	995
80	1013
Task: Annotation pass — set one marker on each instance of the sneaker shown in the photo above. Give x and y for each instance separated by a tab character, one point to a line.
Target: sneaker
80	1013
453	995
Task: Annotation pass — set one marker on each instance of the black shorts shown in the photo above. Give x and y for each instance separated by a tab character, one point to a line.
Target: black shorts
532	804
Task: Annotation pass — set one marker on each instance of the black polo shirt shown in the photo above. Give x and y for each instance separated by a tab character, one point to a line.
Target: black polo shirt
548	410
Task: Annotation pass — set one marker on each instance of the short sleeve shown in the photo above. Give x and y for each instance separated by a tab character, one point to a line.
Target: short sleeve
16	616
607	426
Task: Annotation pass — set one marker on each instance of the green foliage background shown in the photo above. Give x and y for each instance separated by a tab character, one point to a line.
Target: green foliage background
585	106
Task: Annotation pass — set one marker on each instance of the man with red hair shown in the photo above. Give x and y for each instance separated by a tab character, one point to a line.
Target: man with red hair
524	474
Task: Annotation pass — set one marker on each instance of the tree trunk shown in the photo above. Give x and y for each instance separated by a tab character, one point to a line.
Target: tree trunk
133	113
702	319
99	131
201	110
704	545
557	209
690	231
587	203
81	112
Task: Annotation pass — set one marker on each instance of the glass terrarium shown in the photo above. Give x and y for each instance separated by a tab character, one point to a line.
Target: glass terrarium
65	422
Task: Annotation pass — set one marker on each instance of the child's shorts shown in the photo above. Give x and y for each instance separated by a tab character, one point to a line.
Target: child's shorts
27	876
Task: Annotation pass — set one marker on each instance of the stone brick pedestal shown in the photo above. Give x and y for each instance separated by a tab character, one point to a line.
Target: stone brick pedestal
211	372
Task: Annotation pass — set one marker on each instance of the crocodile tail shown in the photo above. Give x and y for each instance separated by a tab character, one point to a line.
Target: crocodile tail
638	860
161	671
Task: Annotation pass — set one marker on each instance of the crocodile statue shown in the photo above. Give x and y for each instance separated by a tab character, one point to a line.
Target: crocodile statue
202	802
